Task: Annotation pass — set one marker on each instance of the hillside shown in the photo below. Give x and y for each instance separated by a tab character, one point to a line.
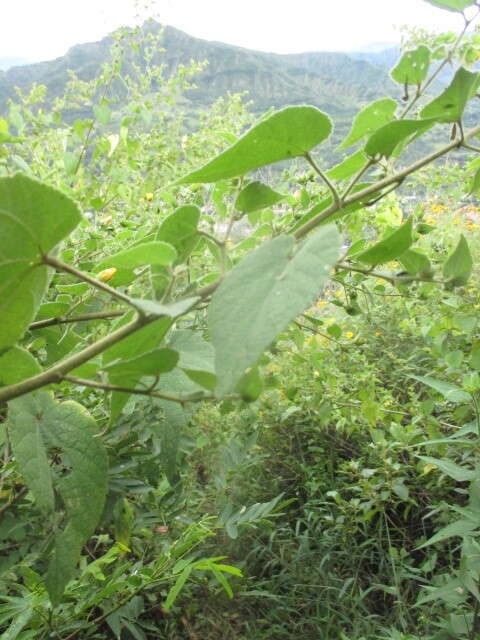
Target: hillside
335	82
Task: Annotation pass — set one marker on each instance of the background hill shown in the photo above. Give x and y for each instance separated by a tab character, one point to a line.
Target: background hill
336	82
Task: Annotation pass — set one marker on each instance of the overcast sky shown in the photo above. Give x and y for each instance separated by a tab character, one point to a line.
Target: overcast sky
45	29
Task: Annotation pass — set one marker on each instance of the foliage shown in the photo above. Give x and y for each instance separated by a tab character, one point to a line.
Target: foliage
181	292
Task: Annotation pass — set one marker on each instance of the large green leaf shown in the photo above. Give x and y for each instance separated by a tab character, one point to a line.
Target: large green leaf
450	105
369	119
288	133
412	67
449	391
261	295
386	139
458	267
255	196
390	247
34	218
69	429
155	252
179	229
452	5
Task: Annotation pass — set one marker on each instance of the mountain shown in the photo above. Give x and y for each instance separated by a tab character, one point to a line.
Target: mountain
335	82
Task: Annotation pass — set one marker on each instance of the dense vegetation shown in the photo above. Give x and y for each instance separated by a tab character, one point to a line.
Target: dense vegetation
240	401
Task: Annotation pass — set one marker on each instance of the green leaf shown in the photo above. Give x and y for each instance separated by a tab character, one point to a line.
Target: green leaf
152	363
452	5
250	386
288	133
155	252
415	262
102	112
261	295
459	264
348	167
386	139
255	196
475	183
449	391
179	229
24	425
34	218
16	364
69	429
177	587
450	105
390	247
170	431
456	529
452	470
143	340
196	357
412	67
370	119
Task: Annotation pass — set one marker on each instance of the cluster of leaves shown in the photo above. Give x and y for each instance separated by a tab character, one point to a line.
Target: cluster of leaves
123	283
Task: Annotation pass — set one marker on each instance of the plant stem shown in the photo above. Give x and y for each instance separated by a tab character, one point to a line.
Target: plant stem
336	197
142	392
98	284
381	184
100	315
56	373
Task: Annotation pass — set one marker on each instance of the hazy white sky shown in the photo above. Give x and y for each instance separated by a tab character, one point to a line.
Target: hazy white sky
45	29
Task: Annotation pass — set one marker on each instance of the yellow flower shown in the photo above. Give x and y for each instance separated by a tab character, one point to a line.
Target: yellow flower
309	339
338	294
321	303
149	196
316	373
378	333
349	334
107	274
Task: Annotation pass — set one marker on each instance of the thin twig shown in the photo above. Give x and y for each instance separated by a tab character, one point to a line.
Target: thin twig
98	284
142	392
336	197
388	181
86	317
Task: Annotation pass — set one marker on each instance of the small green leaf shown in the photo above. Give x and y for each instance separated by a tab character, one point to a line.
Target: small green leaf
449	391
412	67
459	264
34	218
370	118
452	470
385	140
102	112
415	262
261	295
155	252
475	183
390	247
255	196
452	5
348	167
251	385
177	587
450	105
152	363
16	364
288	133
456	529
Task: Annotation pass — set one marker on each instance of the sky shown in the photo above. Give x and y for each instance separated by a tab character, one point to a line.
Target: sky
45	29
